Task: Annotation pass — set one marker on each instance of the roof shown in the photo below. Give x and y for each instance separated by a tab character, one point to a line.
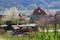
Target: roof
50	12
39	11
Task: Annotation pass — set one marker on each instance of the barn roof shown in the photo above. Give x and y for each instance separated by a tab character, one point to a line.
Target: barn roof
39	11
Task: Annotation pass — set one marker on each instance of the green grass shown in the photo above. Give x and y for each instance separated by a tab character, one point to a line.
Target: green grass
38	36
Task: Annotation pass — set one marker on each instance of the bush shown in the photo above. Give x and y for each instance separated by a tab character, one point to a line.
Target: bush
2	22
9	22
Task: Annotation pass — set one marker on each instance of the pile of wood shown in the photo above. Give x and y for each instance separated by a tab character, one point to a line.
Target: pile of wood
2	31
24	29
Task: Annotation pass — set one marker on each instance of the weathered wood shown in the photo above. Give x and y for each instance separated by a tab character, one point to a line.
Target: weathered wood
2	30
27	25
21	29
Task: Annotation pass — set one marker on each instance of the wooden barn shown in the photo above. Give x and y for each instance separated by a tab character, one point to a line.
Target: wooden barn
37	14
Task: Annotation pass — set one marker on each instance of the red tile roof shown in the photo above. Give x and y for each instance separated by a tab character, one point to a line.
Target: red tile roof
50	12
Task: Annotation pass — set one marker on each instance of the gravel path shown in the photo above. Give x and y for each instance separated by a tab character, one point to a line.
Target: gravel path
50	30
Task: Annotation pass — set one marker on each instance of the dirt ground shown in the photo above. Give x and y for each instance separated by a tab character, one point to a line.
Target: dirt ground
1	39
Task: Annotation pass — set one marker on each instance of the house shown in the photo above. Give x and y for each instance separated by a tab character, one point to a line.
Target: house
1	18
57	17
37	14
24	19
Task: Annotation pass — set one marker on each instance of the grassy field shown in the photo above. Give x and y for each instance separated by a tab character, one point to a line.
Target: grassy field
38	36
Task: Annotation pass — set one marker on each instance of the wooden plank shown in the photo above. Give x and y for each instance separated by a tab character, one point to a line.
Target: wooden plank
3	25
24	25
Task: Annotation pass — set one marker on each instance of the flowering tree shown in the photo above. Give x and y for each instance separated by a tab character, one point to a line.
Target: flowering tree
44	22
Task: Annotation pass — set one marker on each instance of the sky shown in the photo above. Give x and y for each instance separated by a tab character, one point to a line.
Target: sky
30	4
